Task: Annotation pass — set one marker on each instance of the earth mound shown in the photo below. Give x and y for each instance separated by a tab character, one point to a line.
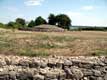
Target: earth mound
45	28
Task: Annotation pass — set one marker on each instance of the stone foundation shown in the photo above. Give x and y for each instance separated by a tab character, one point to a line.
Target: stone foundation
53	68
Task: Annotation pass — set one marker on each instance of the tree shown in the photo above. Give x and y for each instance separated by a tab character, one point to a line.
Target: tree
39	20
52	19
63	21
21	21
31	23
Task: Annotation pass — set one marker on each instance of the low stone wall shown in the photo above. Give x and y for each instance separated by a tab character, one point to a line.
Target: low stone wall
53	68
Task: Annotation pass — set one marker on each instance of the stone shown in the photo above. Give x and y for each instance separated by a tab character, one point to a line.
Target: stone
105	61
8	61
62	76
1	69
67	63
85	65
85	78
59	65
43	71
23	63
52	68
100	78
53	74
43	64
4	75
87	72
105	77
77	73
2	63
51	65
24	75
68	72
12	75
104	69
50	76
36	64
92	78
38	77
97	73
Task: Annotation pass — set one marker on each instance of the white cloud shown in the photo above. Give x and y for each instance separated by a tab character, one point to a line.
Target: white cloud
87	8
33	2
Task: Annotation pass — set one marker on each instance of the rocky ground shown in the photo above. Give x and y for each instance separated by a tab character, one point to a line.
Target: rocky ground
53	68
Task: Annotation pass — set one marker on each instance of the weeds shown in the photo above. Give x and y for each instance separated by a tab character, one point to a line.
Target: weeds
100	53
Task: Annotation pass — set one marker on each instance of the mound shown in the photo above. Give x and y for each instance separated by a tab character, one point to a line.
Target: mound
48	28
44	28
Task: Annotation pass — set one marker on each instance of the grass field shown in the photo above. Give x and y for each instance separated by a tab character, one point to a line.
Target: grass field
49	43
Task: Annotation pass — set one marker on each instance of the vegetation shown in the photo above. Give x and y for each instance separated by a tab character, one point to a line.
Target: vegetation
93	28
2	25
60	20
30	44
99	53
39	21
52	19
44	44
31	24
88	28
13	25
63	21
21	21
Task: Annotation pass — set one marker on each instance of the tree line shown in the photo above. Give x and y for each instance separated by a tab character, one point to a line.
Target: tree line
60	20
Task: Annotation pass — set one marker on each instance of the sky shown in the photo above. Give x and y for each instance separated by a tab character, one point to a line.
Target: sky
81	12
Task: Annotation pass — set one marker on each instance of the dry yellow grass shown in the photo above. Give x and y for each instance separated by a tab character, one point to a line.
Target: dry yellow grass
49	43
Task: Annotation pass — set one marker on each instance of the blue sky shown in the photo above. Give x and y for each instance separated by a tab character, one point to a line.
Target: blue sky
81	12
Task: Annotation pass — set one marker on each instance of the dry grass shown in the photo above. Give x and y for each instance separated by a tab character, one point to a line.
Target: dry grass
49	43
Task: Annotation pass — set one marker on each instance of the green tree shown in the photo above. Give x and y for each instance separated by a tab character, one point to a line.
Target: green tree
63	21
31	23
39	21
52	19
21	21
